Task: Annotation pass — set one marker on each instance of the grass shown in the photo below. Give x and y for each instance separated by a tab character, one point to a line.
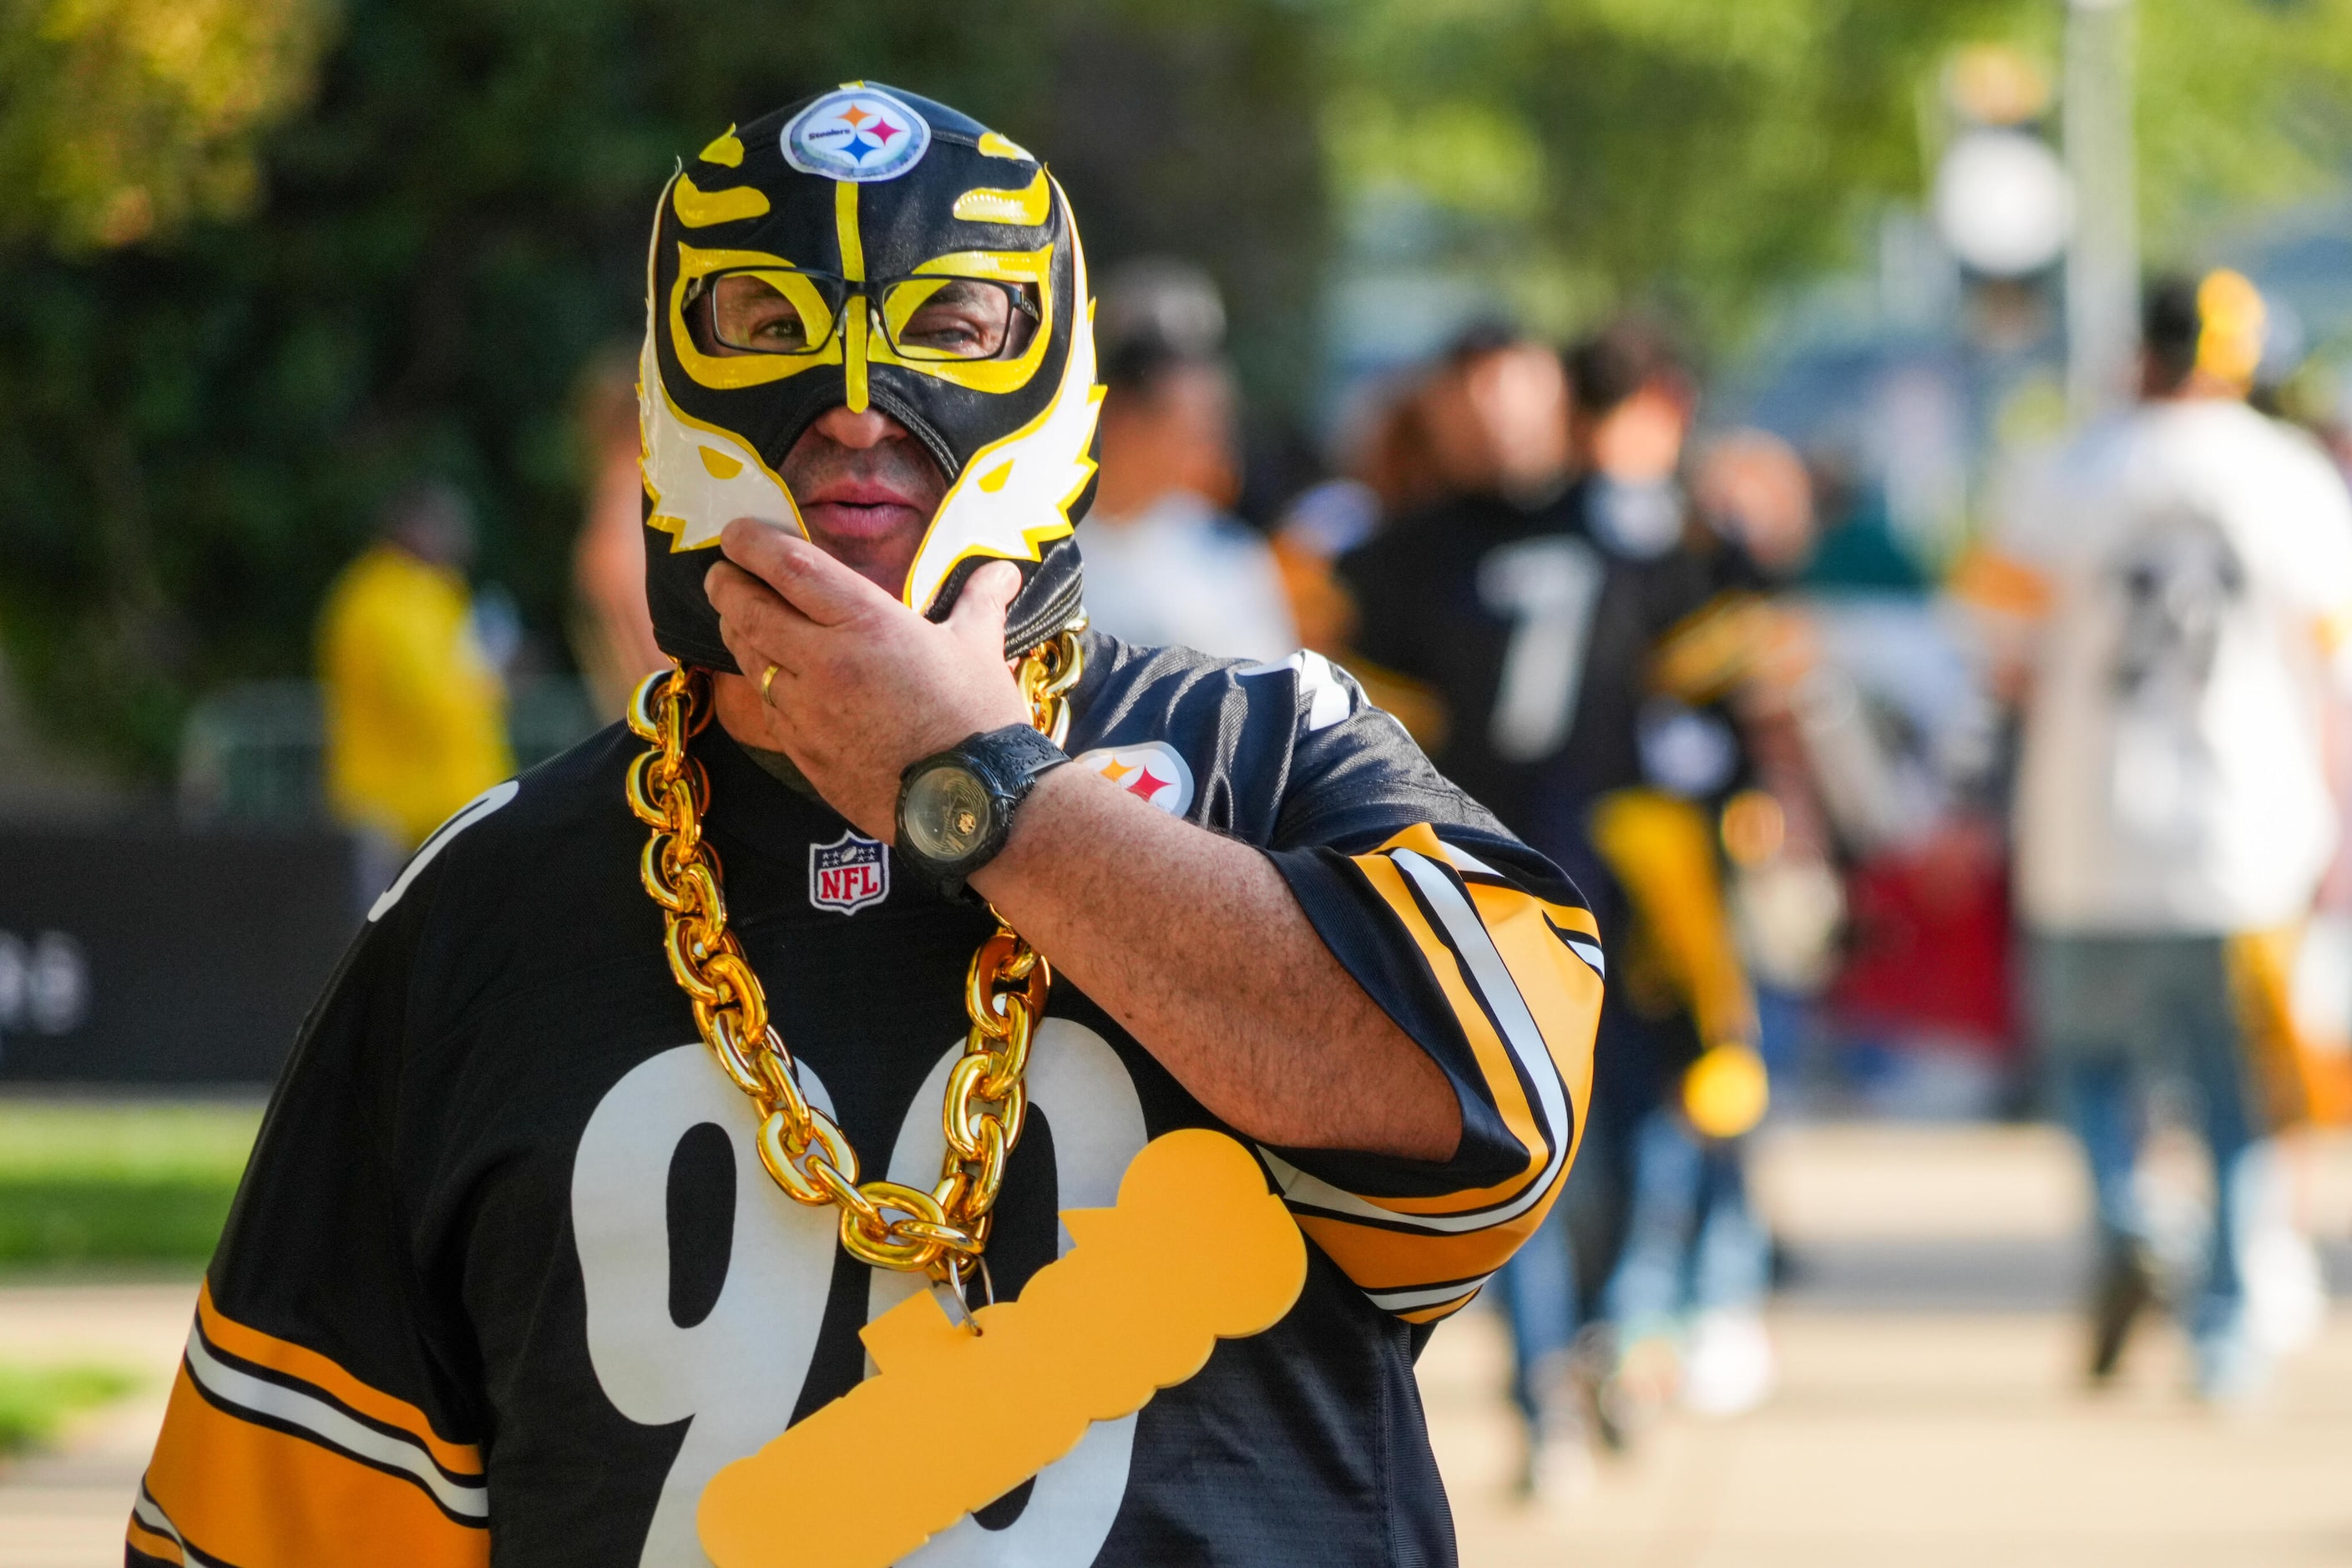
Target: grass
84	1181
36	1400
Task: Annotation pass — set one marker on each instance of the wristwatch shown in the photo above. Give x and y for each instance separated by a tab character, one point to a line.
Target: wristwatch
956	806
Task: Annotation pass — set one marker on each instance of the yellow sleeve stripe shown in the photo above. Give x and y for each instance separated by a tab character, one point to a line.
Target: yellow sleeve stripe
1510	967
1494	1059
1560	989
1568	917
274	1355
140	1539
223	1488
1479	986
1432	1314
1386	1263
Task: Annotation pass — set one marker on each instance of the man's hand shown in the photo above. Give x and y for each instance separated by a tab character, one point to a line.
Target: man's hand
1136	907
864	686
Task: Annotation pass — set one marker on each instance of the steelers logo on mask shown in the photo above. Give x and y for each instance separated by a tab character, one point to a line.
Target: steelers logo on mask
858	134
867	248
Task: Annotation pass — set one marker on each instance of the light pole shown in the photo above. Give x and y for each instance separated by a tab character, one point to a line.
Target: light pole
2103	264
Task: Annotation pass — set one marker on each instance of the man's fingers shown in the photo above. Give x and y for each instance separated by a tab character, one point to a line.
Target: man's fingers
816	584
758	625
980	609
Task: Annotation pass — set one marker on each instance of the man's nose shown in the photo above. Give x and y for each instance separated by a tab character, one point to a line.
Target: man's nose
865	428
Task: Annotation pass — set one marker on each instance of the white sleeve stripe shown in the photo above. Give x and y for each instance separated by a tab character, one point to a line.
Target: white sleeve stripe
1466	861
1322	692
323	1421
149	1513
1429	1296
1489	977
472	812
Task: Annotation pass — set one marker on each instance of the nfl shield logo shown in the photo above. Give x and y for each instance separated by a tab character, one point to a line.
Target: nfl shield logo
849	873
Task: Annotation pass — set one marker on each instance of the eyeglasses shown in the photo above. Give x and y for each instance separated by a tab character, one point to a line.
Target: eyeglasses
929	316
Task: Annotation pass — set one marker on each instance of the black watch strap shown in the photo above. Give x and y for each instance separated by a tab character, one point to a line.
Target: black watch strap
1017	756
1006	764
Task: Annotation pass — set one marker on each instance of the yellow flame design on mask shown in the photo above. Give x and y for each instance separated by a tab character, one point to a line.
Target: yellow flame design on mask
700	210
725	148
1014	495
994	146
1029	206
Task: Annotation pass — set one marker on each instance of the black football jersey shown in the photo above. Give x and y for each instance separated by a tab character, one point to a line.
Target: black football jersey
507	1283
1538	629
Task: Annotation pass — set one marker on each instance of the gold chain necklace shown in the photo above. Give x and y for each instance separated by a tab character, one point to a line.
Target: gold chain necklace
886	1223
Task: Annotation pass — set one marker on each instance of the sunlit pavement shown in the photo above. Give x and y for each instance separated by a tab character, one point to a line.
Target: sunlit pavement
1929	1410
65	1510
1911	1433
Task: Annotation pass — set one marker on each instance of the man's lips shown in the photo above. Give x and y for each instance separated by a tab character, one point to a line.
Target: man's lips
845	519
859	493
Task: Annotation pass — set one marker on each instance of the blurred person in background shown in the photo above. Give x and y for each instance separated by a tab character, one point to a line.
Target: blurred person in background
1468	456
1580	639
612	630
1167	561
2173	590
1751	489
415	712
1392	470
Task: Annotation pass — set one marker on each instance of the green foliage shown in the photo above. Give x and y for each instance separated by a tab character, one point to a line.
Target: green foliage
234	316
121	119
1590	150
135	1183
195	430
36	1400
1677	147
2239	100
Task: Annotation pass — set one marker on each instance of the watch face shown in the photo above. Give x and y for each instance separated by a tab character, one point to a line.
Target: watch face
948	814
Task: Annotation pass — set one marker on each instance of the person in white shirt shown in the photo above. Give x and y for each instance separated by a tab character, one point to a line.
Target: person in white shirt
2185	570
1167	564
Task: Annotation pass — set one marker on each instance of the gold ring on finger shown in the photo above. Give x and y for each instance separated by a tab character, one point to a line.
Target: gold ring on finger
768	679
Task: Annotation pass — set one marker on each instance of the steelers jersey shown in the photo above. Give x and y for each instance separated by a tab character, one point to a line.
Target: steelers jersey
1538	630
506	1281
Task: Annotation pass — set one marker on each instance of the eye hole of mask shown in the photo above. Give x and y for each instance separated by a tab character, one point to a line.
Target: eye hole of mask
950	318
765	310
928	318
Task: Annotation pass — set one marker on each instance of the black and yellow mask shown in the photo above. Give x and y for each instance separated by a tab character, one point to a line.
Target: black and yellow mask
869	248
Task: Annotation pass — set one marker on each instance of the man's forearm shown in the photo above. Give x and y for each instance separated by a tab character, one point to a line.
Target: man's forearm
1194	943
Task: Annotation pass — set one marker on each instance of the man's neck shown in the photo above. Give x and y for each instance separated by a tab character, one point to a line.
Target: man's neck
777	765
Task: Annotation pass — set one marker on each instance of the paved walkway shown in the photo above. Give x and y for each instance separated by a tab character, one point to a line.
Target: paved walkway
65	1510
1928	1412
1922	1440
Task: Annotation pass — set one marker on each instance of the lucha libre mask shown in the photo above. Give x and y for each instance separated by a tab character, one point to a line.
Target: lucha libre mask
871	248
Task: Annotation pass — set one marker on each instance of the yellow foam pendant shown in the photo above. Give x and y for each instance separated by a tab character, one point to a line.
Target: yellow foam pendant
1196	1250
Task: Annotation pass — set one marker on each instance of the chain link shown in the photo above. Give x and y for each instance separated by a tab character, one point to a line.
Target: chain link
885	1223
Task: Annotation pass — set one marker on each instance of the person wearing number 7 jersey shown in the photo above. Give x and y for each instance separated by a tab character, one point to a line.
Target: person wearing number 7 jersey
1579	639
631	1106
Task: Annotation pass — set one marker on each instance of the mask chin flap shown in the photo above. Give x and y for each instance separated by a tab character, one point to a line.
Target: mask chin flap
1050	596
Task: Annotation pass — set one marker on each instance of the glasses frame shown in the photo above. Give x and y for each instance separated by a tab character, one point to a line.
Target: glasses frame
702	295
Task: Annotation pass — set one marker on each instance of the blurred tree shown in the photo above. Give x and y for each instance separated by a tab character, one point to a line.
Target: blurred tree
265	258
1580	151
197	417
122	118
2240	100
